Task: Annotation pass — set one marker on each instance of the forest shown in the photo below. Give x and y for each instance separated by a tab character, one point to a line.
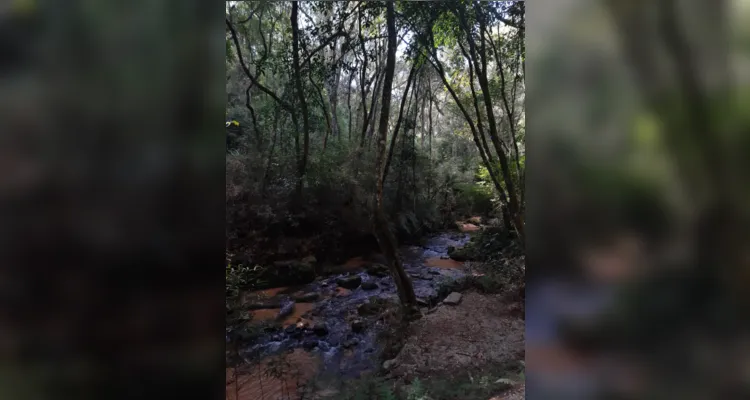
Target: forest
375	203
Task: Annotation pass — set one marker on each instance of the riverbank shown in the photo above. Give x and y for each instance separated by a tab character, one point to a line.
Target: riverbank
311	341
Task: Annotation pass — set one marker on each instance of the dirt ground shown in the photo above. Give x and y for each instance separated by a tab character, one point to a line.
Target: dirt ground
481	330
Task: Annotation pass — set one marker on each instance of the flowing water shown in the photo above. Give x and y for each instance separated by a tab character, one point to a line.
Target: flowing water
340	350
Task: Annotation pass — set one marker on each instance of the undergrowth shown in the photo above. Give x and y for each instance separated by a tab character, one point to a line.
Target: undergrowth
455	386
498	262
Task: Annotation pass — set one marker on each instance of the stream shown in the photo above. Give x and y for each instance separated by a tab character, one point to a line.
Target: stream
335	318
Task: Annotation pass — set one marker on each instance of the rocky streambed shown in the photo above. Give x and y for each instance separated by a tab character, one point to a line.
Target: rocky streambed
338	318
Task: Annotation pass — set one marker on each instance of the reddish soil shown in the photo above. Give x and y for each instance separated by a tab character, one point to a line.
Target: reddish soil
478	331
442	263
341	292
271	313
274	378
465	227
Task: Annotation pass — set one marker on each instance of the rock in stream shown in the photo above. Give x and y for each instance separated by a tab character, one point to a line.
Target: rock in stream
343	325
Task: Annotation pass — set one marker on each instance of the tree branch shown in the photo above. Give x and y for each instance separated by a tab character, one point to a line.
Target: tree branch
253	79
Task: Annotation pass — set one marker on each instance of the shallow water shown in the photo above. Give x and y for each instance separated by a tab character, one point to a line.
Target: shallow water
343	353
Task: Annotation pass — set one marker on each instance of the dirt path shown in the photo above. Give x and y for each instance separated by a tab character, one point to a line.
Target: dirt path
482	330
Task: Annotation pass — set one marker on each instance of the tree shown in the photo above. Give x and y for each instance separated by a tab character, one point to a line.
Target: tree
380	222
300	98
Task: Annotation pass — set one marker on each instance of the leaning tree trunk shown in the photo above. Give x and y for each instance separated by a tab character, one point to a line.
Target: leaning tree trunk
479	59
380	224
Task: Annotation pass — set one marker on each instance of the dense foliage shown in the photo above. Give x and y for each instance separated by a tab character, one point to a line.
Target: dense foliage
305	83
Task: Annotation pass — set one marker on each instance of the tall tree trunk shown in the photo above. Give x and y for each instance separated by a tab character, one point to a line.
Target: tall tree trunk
374	108
409	80
256	127
506	104
475	98
349	104
429	132
480	65
333	92
264	179
300	98
363	84
437	65
380	224
324	108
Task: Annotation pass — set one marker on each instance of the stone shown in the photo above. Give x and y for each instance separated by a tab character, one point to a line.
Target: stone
453	299
290	329
349	282
261	305
350	343
422	302
309	344
378	270
460	254
367	309
307	297
369	285
358	325
434	272
286	310
320	329
309	260
389	364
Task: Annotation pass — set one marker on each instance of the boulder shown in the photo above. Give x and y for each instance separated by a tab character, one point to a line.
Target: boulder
307	297
460	254
453	299
369	285
320	329
309	344
261	305
286	310
367	309
378	270
310	260
358	326
349	282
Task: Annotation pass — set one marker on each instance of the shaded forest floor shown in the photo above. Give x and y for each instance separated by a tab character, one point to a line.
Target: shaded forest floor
469	349
473	350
